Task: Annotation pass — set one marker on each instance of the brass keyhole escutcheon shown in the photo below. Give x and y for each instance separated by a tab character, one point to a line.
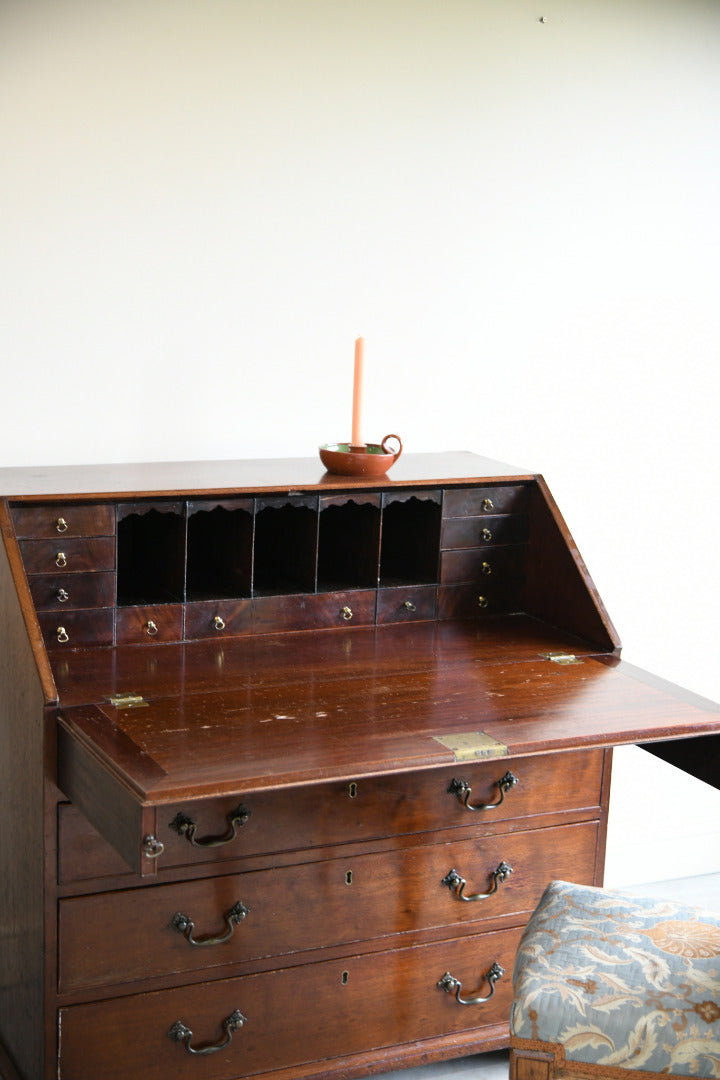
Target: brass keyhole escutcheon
349	877
344	978
353	790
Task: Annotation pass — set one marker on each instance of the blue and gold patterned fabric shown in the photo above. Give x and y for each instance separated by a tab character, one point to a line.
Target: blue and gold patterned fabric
623	981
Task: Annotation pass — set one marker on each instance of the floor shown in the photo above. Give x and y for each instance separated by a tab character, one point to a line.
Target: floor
698	891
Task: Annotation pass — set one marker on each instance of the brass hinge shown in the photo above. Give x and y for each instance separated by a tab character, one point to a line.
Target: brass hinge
561	658
128	700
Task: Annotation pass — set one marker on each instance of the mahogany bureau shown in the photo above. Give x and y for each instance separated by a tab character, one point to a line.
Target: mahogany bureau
289	758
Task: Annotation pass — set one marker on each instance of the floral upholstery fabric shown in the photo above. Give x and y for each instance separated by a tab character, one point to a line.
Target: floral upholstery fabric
624	981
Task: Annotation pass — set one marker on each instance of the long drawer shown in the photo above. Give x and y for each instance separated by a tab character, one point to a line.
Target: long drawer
291	1016
206	924
324	814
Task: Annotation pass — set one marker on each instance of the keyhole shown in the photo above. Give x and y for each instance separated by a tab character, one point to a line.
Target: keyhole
348	877
352	790
344	978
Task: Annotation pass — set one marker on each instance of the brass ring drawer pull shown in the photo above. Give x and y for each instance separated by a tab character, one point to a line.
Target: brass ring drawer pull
218	622
451	985
61	525
151	628
152	848
186	827
62	635
61	559
409	606
346	613
185	926
462	789
179	1033
457	884
62	596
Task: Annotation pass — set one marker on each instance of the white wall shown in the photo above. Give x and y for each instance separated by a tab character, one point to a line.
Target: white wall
203	202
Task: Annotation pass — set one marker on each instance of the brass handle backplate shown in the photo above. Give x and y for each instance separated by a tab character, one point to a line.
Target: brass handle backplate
462	789
185	926
451	985
179	1033
456	883
186	827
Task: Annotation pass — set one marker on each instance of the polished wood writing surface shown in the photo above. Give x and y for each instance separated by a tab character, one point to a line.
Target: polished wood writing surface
295	730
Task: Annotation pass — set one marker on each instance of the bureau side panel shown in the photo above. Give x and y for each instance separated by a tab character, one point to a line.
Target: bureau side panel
559	587
22	916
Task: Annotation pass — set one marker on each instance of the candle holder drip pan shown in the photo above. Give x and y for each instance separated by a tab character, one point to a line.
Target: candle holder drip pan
369	459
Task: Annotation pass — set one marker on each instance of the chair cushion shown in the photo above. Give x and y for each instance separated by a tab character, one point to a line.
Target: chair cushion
626	981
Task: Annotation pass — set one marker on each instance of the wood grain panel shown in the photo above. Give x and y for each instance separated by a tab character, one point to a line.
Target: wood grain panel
68	555
485	499
52	592
293	1016
326	814
60	519
295	908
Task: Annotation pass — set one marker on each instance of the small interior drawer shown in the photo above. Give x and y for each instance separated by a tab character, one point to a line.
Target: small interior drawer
68	555
500	499
215	618
146	625
75	629
72	519
486	596
51	592
406	604
501	567
471	532
314	1012
318	611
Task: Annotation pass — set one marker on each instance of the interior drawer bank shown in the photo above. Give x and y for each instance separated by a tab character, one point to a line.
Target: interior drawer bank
212	830
291	1017
212	922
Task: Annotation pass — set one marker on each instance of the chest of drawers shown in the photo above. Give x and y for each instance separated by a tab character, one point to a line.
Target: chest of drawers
290	760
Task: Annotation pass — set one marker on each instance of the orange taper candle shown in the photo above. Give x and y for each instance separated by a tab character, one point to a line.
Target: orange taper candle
357	440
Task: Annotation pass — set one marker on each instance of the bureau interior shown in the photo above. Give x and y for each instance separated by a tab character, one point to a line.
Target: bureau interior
208	550
179	567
